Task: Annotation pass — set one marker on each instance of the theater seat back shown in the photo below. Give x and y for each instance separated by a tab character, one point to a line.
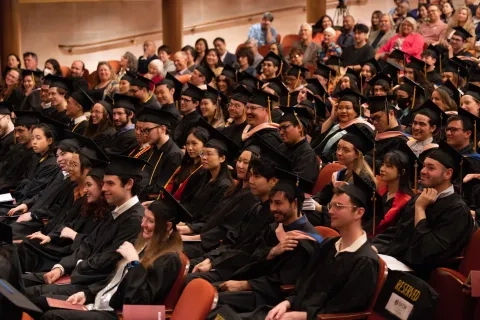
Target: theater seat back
327	232
174	293
198	298
471	258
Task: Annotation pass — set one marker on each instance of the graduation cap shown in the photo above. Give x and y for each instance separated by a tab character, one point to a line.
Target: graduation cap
241	94
416	89
83	99
122	165
219	141
373	201
436	115
417	64
229	72
17	300
325	71
97	170
381	76
334	61
379	103
278	86
5	233
456	67
451	90
26	118
193	92
206	72
172	82
292	184
57	127
6	108
296	115
139	81
320	109
398	54
473	90
360	194
249	81
297	71
441	53
59	82
393	70
470	122
314	85
272	155
214	95
406	153
274	58
351	95
169	208
87	147
127	78
461	32
352	75
157	116
359	138
373	63
263	99
124	101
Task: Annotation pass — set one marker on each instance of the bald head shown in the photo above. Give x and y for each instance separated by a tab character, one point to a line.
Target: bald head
348	22
76	70
180	60
149	48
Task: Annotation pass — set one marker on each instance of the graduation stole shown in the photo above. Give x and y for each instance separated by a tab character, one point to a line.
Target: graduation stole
387	135
140	152
169	185
247	133
399	202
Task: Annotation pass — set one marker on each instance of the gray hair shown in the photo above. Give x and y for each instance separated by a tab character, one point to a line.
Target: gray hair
306	25
157	63
132	64
252	41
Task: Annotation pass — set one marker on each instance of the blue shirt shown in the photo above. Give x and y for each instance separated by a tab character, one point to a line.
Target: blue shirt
299	224
256	32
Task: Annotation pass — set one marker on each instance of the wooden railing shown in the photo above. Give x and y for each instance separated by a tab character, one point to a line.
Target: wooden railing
188	30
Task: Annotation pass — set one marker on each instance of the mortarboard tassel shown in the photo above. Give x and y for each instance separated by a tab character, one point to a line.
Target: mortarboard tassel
461	176
269	110
374	221
296	80
415	177
475	135
413	97
288	100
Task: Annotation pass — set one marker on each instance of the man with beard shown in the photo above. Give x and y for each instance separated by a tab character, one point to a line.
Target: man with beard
124	140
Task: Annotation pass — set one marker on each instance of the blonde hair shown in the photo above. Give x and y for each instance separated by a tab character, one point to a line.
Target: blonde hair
361	168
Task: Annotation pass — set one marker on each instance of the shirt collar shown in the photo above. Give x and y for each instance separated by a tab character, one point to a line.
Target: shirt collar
46	105
124	207
80	119
353	247
297	224
445	193
223	56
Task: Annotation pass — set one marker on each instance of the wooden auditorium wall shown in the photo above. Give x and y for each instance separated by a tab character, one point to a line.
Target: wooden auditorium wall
45	27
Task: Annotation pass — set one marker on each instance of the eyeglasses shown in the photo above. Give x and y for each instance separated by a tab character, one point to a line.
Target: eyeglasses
285	127
186	100
146	131
338	206
235	105
453	130
133	91
206	154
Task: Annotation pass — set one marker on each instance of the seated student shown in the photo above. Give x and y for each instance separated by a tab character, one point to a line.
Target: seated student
124	140
427	121
97	257
165	155
49	202
293	126
242	239
140	89
44	167
189	102
343	272
145	274
66	230
434	226
58	92
286	247
237	114
346	113
228	213
143	148
459	133
168	93
79	102
100	125
389	134
204	191
350	153
191	162
211	107
259	120
397	170
19	158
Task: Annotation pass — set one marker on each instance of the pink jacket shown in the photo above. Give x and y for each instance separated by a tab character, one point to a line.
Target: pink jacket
412	44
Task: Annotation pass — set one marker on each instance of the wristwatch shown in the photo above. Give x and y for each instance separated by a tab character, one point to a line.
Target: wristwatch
132	264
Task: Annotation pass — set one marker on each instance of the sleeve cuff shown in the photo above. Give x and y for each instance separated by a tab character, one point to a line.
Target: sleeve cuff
59	266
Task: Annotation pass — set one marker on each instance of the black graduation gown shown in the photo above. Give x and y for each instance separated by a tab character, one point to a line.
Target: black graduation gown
122	142
45	197
434	77
385	145
79	127
433	241
41	174
270	135
180	133
16	163
60	116
151	102
322	140
98	252
206	196
61	198
6	143
172	109
303	159
226	216
164	162
79	83
266	276
234	132
32	102
276	115
332	284
103	139
35	257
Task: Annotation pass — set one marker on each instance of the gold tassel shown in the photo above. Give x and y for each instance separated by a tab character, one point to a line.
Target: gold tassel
269	110
475	135
415	177
413	97
288	100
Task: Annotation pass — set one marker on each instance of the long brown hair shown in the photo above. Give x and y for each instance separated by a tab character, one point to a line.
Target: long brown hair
163	241
97	209
93	130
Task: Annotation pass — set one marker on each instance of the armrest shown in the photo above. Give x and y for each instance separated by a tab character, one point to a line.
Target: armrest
287	288
344	316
